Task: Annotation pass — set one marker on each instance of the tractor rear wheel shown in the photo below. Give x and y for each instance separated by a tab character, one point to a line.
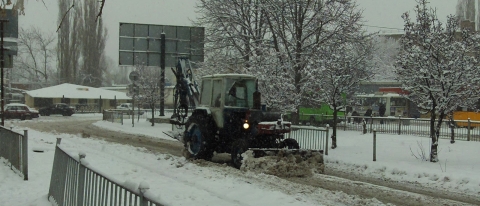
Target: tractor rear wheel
238	148
198	137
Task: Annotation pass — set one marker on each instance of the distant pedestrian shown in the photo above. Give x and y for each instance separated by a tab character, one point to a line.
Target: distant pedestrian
381	111
368	114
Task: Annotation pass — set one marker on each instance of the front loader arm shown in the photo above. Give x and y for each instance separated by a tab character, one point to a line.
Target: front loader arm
186	92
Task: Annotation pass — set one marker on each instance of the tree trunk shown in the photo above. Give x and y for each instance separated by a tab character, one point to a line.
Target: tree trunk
434	132
153	114
334	128
451	124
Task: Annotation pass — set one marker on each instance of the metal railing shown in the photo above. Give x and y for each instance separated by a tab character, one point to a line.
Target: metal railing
315	138
14	149
74	183
119	115
87	108
460	129
113	116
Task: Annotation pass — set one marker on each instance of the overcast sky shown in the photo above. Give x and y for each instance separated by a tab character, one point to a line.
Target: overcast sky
377	13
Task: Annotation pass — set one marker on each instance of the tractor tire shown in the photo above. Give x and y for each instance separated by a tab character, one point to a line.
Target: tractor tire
238	148
198	137
290	144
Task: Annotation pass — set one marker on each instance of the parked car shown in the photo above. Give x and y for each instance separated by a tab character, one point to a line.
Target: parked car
59	108
129	109
19	111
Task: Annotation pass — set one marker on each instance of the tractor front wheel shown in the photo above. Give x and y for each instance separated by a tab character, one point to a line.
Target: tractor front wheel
197	138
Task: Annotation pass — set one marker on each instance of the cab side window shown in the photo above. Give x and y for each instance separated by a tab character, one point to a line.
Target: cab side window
206	92
217	93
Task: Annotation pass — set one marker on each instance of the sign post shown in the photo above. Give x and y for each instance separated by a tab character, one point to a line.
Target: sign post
133	76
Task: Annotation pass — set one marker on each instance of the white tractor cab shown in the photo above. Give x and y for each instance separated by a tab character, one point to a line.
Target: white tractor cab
226	93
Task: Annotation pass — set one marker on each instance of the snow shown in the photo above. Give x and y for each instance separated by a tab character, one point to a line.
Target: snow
177	181
76	91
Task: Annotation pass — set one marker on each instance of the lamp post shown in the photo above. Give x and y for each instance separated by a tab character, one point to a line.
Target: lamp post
162	74
2	63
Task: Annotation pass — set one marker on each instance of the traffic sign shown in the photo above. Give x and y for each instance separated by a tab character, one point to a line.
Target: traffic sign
133	76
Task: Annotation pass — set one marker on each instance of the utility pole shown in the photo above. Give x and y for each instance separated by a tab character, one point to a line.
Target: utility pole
162	75
2	60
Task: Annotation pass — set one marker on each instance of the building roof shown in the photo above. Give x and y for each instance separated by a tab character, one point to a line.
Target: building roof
76	92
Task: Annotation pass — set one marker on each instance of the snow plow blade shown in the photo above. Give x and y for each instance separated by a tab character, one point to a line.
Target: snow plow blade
283	162
175	135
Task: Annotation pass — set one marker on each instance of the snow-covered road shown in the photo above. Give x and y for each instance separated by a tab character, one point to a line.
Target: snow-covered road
176	181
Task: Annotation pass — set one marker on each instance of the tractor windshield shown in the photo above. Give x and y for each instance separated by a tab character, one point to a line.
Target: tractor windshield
239	92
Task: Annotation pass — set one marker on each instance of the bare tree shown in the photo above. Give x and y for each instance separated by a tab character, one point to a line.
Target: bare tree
339	70
385	51
35	55
275	39
437	65
111	75
234	30
299	29
149	87
68	53
19	6
93	37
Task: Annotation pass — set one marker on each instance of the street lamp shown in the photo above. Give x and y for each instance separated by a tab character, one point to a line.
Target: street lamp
2	60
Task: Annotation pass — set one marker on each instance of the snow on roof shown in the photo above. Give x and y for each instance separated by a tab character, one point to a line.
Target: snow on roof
229	75
76	92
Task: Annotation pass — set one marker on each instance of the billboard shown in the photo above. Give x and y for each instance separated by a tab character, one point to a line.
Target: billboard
140	44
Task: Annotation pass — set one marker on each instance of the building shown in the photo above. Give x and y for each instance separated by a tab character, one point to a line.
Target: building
82	97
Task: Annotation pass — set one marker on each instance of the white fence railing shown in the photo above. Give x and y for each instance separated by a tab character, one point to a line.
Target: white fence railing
73	183
314	138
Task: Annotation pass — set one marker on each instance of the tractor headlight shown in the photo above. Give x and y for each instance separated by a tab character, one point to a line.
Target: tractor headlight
246	125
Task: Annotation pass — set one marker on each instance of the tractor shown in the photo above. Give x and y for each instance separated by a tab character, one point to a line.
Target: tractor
226	117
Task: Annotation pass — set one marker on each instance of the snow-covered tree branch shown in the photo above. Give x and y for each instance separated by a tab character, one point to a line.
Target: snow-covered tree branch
438	66
149	87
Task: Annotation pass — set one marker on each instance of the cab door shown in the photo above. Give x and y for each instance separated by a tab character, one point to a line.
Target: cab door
217	103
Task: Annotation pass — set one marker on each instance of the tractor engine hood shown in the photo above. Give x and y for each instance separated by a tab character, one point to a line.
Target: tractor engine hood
269	122
261	116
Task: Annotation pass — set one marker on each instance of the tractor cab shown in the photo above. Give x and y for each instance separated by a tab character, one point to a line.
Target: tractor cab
228	90
229	97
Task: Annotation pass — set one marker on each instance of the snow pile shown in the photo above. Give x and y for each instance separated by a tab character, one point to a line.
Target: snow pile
286	163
